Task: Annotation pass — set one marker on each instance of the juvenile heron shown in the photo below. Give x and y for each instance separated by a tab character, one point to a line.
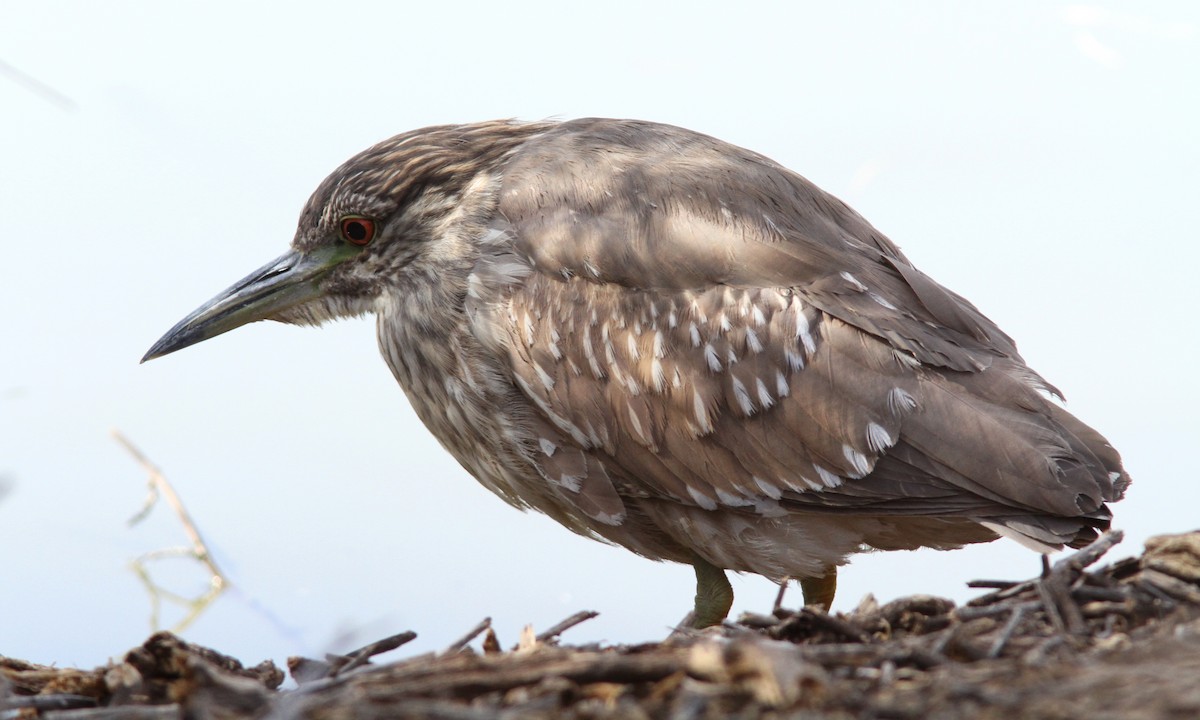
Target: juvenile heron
676	345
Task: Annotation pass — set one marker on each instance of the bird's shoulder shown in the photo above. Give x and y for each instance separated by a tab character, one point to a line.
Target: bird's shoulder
645	206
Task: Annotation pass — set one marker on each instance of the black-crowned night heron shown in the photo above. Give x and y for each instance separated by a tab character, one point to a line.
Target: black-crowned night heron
678	346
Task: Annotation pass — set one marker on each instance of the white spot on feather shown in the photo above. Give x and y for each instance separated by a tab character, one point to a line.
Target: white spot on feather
548	447
695	333
853	281
759	318
769	489
804	331
781	384
764	395
878	437
494	236
528	325
804	485
710	354
547	381
631	340
906	358
795	361
881	300
474	286
701	499
731	500
570	482
857	460
899	401
657	375
610	353
752	341
769	508
830	479
701	411
659	349
636	423
742	397
590	354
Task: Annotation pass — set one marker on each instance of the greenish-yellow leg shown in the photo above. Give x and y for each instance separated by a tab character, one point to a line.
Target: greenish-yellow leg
820	590
714	595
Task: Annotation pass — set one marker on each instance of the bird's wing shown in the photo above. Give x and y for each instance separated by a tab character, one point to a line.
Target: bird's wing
715	329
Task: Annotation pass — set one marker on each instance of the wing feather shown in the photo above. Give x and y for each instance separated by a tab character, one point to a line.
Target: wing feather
708	328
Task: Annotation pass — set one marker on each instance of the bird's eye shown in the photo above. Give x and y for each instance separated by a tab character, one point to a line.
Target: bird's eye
358	230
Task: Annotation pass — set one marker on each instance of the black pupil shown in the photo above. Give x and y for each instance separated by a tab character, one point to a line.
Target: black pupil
356	231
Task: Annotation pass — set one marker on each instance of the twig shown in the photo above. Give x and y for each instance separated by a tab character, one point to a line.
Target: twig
37	87
972	613
828	622
783	585
160	485
473	633
1090	554
1038	654
999	595
363	655
1091	593
1171	585
1018	613
555	630
992	584
1051	608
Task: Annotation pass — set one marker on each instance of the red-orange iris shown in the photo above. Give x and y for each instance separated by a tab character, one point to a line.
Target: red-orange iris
357	230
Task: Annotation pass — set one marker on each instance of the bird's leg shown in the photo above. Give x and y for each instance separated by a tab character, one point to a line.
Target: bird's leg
820	590
714	595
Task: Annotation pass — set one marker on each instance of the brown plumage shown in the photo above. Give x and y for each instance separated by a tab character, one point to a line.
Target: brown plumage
679	346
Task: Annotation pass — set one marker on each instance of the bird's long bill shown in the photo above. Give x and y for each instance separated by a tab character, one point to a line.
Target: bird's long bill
286	281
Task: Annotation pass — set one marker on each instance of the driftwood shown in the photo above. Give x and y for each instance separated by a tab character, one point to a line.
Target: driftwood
1121	641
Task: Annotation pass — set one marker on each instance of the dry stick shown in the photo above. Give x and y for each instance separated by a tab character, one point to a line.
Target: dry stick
1078	560
362	655
1010	628
1093	552
556	630
992	584
1054	588
474	632
783	584
1050	607
828	622
971	613
158	481
1169	584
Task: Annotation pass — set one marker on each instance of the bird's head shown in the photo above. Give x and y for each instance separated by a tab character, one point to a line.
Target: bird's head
377	215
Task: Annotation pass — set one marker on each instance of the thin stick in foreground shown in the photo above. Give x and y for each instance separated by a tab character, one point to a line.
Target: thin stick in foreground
160	486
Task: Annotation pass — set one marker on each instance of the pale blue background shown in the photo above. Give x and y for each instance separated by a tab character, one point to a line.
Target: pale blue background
1040	158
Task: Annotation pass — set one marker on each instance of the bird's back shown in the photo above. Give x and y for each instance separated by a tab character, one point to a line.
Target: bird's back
694	350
